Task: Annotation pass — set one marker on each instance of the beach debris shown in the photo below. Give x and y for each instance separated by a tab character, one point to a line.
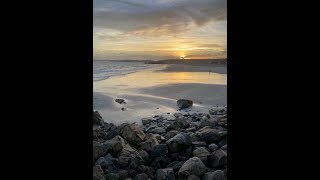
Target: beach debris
184	103
191	146
123	109
120	101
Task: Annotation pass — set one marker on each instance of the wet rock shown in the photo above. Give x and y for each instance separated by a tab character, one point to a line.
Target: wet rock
184	103
202	153
179	142
132	133
120	101
218	158
146	121
216	175
159	150
193	166
165	174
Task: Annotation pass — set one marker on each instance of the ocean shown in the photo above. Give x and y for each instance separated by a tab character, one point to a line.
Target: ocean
105	69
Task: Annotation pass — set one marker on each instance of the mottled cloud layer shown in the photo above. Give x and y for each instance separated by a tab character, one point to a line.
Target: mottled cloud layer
160	28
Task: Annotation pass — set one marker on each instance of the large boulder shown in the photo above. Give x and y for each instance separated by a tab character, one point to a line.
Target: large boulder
165	174
132	133
193	166
98	173
218	158
96	118
184	103
202	153
159	150
209	135
179	142
216	175
99	150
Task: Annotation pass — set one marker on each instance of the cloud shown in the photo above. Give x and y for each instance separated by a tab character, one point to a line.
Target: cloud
153	18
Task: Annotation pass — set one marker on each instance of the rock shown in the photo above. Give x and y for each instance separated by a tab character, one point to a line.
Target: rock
102	163
225	172
171	134
224	147
176	165
209	135
112	176
194	137
195	124
218	158
97	119
146	121
158	130
218	111
159	150
179	142
182	123
145	146
184	103
199	143
165	174
99	150
123	161
132	133
113	131
141	176
120	101
212	147
192	129
116	143
123	174
98	173
193	177
216	175
201	153
193	166
208	122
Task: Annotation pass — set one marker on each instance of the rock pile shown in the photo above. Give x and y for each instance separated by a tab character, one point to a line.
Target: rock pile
186	147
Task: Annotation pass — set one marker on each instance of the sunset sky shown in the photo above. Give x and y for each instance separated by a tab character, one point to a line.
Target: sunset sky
159	29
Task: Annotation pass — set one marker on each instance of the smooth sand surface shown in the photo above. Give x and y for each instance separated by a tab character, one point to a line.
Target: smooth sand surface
155	91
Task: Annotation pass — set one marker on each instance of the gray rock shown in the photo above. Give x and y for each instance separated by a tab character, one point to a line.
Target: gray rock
145	146
208	122
218	158
123	174
120	101
212	147
116	143
193	166
193	177
201	153
98	173
225	172
97	119
182	123
199	143
159	150
112	176
184	103
123	161
177	166
216	175
179	142
209	135
146	121
218	111
194	137
102	163
99	150
132	133
141	176
195	124
171	134
165	174
192	129
158	130
224	147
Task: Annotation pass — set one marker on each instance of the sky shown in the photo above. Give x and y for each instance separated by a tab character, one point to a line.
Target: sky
159	29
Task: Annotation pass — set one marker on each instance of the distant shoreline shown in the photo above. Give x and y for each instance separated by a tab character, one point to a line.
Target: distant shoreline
177	61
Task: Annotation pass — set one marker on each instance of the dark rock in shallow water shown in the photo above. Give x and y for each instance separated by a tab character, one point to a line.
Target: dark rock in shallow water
132	133
184	103
98	173
165	174
159	150
141	176
201	153
216	175
218	158
120	101
193	166
212	147
179	142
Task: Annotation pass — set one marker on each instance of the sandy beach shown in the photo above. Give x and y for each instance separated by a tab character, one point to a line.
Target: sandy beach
155	91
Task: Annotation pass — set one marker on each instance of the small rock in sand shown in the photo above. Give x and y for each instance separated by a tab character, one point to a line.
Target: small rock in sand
120	101
184	103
